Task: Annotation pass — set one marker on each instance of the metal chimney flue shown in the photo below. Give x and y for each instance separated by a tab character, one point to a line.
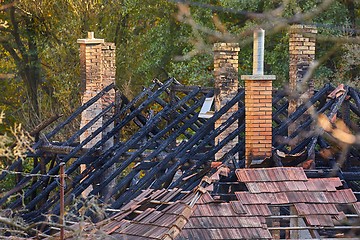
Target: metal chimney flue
258	53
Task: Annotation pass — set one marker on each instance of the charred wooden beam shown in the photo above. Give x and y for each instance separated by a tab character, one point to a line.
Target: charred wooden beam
278	95
54	170
128	118
226	157
300	147
322	142
163	145
12	167
184	108
80	110
44	124
174	98
334	109
65	150
281	110
345	113
187	89
88	125
152	122
348	176
139	120
147	179
300	128
283	127
61	125
355	96
354	109
153	154
192	127
195	181
25	180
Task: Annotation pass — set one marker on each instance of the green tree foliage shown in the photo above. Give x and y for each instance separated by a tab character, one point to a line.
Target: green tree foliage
156	39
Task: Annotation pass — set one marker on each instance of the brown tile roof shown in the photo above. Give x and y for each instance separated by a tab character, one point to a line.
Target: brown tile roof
223	220
156	214
316	200
161	218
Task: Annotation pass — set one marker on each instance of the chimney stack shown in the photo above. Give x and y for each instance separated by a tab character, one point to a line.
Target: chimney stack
97	70
302	42
226	73
258	106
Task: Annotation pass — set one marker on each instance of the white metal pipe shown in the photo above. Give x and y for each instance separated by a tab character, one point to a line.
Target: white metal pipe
258	53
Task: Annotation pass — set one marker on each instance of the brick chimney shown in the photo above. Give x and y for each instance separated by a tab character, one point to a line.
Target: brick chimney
226	63
302	43
97	70
258	106
302	52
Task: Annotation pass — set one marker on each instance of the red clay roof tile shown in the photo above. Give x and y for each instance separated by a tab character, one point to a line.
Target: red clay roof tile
314	199
271	174
341	216
341	196
244	233
258	210
281	198
223	222
253	187
294	197
348	195
237	207
205	198
357	207
302	209
215	209
127	237
316	209
274	186
266	187
247	198
166	219
312	220
266	198
144	214
310	185
242	175
334	182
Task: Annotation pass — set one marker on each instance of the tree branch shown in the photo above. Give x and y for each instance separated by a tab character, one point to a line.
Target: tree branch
16	35
7	6
11	50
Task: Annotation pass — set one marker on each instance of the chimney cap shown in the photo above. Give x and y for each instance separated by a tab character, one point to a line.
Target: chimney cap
226	47
258	77
90	39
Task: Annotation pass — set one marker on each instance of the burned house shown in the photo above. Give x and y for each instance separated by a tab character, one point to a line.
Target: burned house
188	162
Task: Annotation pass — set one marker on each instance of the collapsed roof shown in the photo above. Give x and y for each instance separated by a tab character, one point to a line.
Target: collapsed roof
161	143
269	203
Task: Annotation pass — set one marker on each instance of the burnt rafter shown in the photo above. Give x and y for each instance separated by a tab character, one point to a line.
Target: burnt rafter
116	128
171	147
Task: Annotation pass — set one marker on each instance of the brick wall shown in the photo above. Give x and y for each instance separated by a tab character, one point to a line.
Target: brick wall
108	76
302	52
258	117
226	87
90	72
97	70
